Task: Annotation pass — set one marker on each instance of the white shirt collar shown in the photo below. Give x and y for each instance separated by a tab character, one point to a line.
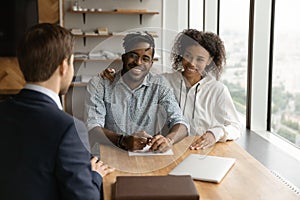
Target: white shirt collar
45	91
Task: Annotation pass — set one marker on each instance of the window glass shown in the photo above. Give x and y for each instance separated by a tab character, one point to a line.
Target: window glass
233	30
285	116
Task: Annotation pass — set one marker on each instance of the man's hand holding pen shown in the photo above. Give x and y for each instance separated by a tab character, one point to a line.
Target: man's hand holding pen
132	143
160	144
136	141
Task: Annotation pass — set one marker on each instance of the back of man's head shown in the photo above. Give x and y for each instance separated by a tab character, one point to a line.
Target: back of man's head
42	49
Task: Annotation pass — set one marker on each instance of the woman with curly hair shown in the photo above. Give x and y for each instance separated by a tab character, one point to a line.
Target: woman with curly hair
198	59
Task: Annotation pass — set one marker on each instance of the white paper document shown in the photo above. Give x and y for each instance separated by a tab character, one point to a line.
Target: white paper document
146	152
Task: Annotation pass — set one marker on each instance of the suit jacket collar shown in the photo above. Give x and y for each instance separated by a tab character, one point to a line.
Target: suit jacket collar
32	95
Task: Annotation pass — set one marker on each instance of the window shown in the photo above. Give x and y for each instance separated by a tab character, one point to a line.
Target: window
285	108
233	26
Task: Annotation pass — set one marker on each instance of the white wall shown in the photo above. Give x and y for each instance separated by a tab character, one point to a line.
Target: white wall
211	15
196	14
175	19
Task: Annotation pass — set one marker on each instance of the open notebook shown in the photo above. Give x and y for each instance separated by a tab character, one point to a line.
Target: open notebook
204	168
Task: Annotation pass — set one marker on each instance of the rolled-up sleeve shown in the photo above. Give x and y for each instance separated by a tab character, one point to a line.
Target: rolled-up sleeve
226	124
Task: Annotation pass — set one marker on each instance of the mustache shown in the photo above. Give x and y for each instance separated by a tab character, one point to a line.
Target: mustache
133	65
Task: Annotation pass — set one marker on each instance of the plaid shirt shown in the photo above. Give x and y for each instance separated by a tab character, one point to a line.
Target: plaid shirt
116	107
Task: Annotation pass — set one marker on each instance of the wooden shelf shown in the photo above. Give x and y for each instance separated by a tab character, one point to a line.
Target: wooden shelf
96	60
84	36
122	12
105	36
78	84
115	12
101	36
101	60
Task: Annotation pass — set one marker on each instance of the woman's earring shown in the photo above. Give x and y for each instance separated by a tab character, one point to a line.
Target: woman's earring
180	67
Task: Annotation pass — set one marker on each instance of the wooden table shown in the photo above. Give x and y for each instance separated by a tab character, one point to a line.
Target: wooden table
247	179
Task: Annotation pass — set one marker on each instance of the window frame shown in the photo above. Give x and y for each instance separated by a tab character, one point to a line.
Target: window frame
259	66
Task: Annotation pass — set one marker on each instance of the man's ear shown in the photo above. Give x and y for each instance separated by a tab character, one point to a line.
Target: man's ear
63	67
123	57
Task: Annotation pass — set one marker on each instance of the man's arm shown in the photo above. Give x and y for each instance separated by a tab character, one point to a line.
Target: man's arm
108	137
73	171
95	111
178	127
103	136
177	133
160	143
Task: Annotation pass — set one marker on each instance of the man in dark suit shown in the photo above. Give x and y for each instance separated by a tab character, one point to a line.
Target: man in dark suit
44	151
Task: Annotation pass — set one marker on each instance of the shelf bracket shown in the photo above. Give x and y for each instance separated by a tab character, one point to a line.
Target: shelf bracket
83	18
141	19
84	41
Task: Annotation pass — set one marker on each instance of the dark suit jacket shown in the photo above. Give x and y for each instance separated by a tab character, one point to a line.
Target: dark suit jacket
44	152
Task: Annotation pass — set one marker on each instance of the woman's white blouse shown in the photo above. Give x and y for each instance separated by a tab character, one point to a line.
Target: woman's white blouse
207	106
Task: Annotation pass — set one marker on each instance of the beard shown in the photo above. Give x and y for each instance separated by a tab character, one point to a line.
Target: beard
134	73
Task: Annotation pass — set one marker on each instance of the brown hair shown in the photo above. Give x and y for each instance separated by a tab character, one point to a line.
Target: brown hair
42	49
208	40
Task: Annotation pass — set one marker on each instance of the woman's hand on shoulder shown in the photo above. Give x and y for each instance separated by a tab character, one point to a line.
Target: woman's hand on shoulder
108	73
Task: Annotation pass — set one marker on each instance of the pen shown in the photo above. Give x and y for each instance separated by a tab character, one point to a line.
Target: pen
149	140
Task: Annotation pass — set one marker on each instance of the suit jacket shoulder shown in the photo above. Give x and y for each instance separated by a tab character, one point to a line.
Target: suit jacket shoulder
46	151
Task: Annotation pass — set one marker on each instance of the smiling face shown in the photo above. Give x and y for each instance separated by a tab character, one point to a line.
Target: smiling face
137	64
195	59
